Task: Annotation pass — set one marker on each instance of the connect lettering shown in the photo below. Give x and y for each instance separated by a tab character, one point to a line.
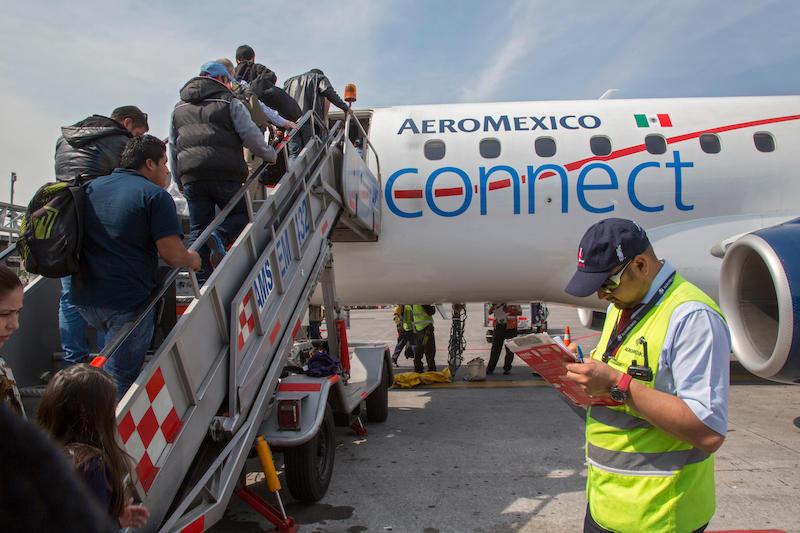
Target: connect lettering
408	195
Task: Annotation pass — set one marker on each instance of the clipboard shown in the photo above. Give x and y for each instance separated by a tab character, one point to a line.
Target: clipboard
547	357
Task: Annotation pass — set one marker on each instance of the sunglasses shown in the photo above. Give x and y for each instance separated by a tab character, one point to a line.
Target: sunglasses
613	281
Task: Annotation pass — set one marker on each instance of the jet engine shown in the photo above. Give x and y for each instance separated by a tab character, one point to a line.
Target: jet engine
759	293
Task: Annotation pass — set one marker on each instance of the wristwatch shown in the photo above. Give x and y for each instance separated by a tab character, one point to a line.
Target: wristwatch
619	392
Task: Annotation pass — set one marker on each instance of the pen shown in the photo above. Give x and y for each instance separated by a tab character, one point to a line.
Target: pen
580	354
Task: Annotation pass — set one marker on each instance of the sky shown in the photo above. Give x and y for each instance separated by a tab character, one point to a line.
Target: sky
63	61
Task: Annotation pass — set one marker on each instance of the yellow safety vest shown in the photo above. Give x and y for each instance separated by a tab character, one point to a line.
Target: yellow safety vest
420	318
640	478
403	317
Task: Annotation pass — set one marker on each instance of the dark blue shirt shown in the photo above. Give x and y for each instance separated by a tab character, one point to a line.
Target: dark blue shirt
125	214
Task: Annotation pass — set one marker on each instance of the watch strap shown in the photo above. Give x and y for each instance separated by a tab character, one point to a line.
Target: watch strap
624	383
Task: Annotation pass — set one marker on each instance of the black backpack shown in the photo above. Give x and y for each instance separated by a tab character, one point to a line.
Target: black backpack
51	231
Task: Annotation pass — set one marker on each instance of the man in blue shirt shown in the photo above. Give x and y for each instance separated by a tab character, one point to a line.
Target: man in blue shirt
129	221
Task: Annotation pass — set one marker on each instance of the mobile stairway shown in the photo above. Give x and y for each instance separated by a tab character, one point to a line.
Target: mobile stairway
193	415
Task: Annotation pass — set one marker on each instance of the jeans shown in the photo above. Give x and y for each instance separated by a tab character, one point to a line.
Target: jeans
405	339
125	364
296	144
203	197
72	327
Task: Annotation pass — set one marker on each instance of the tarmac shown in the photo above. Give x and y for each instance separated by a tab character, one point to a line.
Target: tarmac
507	454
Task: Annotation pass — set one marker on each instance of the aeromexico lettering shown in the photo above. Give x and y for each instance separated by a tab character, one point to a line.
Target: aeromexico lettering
400	188
500	123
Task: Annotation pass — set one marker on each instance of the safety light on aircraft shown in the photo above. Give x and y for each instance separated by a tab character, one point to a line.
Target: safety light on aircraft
350	92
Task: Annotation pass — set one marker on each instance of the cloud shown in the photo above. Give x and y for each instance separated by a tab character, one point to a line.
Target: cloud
502	65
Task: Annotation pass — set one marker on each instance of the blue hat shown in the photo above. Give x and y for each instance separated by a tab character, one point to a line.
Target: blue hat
215	70
605	246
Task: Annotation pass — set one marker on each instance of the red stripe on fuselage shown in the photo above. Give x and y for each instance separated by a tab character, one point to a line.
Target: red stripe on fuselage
412	193
670	140
502	184
453	191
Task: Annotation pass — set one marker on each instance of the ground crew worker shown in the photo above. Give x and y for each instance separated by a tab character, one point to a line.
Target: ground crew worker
505	327
424	341
663	358
403	319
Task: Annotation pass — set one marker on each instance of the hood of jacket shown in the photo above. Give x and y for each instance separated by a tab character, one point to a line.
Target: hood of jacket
202	88
90	129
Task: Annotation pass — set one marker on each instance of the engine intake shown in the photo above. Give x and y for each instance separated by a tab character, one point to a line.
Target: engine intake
759	293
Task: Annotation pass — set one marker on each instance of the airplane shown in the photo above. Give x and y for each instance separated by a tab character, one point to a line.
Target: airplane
488	201
475	203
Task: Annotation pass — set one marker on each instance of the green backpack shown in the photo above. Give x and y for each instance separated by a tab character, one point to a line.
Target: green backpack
51	231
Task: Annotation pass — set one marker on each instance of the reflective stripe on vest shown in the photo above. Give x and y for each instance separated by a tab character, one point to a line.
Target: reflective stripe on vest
618	419
643	464
421	318
639	477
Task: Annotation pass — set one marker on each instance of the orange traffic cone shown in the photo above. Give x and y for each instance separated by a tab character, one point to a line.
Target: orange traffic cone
567	339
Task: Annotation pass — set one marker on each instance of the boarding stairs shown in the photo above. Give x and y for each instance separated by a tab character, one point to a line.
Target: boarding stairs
192	416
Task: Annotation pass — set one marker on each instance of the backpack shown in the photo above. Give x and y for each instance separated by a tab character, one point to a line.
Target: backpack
51	231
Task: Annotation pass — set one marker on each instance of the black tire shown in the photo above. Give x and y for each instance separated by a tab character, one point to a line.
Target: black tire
378	400
309	467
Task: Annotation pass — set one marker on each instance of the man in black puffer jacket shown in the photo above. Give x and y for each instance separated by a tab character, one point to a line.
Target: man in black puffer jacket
90	148
209	128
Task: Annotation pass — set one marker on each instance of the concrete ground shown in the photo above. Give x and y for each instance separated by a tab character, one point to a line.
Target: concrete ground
507	454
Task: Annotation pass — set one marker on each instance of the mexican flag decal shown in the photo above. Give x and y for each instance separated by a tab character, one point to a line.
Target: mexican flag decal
654	121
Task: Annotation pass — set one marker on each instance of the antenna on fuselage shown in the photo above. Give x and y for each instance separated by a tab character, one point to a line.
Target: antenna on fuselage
608	94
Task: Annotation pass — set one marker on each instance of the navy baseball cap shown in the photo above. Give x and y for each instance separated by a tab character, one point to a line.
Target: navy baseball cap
605	246
215	70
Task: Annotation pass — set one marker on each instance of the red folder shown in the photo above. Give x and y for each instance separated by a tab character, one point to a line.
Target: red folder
547	357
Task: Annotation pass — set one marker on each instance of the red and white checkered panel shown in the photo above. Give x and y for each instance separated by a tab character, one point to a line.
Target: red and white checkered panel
148	426
247	320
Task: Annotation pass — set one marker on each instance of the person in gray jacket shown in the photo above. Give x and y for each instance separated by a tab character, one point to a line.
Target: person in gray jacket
209	128
90	148
313	90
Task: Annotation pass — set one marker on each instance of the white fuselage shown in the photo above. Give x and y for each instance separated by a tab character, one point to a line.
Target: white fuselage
469	228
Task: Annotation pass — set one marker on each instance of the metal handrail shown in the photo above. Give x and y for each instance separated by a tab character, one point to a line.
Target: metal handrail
125	332
350	115
9	250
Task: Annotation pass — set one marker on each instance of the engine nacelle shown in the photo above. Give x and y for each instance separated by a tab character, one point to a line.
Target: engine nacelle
759	292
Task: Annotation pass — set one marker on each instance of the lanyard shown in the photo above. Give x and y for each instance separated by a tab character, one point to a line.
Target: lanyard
636	317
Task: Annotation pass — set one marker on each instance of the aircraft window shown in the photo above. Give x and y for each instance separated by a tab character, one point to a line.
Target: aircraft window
655	144
709	143
545	146
600	145
764	142
490	148
434	150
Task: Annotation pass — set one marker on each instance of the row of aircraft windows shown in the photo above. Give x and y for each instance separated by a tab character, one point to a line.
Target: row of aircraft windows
600	145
